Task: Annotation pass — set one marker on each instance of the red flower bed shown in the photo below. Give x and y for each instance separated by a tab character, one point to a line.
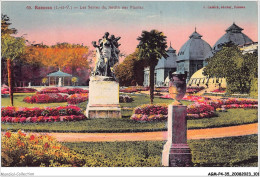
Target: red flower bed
151	109
43	119
162	89
202	108
77	98
46	98
188	98
220	90
48	90
18	90
56	98
129	90
194	89
49	114
62	90
160	112
134	89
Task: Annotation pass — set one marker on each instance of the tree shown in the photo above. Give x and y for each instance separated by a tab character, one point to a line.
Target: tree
11	48
131	70
152	47
61	55
5	25
238	69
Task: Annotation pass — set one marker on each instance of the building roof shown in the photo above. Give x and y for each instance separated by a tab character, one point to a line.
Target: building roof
233	34
170	61
195	49
59	74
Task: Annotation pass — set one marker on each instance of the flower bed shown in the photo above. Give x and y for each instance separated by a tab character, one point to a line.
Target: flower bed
134	89
233	103
62	90
77	98
202	108
220	90
162	89
188	98
160	112
125	99
49	114
30	150
18	90
56	98
149	112
194	89
46	98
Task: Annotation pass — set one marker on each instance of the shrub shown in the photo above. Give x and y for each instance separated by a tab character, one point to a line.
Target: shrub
254	87
20	150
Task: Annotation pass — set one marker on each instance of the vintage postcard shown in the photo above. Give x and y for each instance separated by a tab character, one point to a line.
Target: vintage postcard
93	84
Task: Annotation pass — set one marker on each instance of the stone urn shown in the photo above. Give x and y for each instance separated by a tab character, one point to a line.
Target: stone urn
177	87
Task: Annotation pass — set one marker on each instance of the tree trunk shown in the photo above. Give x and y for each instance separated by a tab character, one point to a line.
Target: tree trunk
10	80
152	67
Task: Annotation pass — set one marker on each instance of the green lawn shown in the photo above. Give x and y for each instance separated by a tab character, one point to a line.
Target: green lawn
229	118
232	117
221	152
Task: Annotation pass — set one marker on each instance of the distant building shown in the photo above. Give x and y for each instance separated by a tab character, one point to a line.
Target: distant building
162	69
249	48
59	78
233	34
193	54
192	58
198	79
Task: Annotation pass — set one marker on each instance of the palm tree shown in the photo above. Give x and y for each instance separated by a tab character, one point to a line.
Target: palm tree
152	47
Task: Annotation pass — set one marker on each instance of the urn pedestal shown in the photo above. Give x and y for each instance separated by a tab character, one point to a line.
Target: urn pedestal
103	98
176	152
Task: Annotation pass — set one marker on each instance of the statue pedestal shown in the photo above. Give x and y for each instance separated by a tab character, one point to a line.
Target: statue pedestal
103	98
176	152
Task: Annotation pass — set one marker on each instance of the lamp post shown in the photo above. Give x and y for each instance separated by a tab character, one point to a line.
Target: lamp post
176	152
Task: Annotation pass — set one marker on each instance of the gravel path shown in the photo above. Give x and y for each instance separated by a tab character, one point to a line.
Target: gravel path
208	133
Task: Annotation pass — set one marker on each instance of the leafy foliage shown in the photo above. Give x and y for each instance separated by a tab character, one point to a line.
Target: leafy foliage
131	70
254	87
238	69
72	58
11	48
5	23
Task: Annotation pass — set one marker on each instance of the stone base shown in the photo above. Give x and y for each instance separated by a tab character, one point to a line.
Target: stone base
103	111
103	98
176	152
176	155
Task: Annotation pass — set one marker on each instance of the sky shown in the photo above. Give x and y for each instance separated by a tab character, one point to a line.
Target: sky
81	23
